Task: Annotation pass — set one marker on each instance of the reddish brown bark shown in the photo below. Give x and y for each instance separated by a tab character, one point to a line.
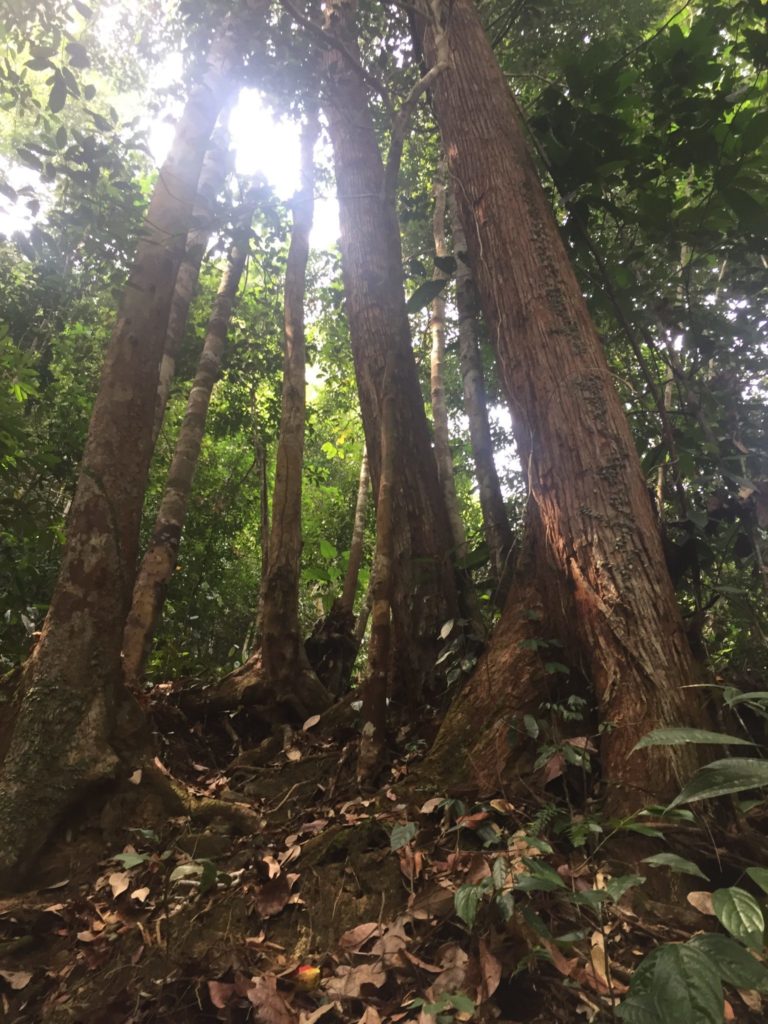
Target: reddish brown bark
424	591
159	561
608	593
64	734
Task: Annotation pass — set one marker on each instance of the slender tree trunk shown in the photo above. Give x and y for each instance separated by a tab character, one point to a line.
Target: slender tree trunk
284	660
212	177
159	561
374	689
263	534
63	733
424	593
604	588
439	409
332	647
498	533
358	536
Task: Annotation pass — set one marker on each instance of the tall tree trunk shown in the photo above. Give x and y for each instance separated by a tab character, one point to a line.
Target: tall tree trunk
284	661
605	590
159	561
439	409
374	689
332	647
352	574
216	166
424	589
498	533
62	734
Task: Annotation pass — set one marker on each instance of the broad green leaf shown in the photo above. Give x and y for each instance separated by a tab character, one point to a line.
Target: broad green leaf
131	860
616	887
466	901
684	986
676	737
327	550
58	95
424	294
759	876
737	967
730	775
401	835
756	696
445	263
531	726
739	913
675	863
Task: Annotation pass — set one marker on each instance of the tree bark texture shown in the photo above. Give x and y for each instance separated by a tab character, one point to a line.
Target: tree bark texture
213	175
159	561
608	591
374	689
352	574
437	386
62	734
424	594
284	660
498	532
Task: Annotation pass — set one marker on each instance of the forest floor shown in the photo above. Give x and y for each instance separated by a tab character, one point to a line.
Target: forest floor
397	906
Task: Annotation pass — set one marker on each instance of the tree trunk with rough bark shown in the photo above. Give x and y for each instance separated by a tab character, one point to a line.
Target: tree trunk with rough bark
437	386
498	532
352	574
374	689
424	589
71	724
284	661
216	166
602	587
159	561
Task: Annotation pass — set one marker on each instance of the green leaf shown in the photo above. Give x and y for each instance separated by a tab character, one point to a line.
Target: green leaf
86	11
401	835
675	863
616	887
735	964
446	263
58	95
327	550
424	294
208	876
531	726
466	900
759	876
730	775
675	983
739	913
78	55
131	860
461	1002
677	737
556	666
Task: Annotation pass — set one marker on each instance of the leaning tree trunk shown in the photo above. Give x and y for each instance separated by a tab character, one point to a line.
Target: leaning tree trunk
159	561
283	659
424	589
61	734
212	177
498	532
605	590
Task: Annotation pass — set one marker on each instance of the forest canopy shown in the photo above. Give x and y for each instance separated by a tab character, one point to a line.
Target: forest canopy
383	426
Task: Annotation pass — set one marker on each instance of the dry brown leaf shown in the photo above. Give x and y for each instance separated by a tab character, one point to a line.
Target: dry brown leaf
310	723
431	805
270	898
418	962
16	979
273	865
728	1014
293	754
503	806
393	939
411	862
490	971
220	993
311	1018
269	1006
135	777
751	998
119	882
564	965
553	769
291	854
356	937
702	901
472	820
454	962
370	1016
349	982
140	894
